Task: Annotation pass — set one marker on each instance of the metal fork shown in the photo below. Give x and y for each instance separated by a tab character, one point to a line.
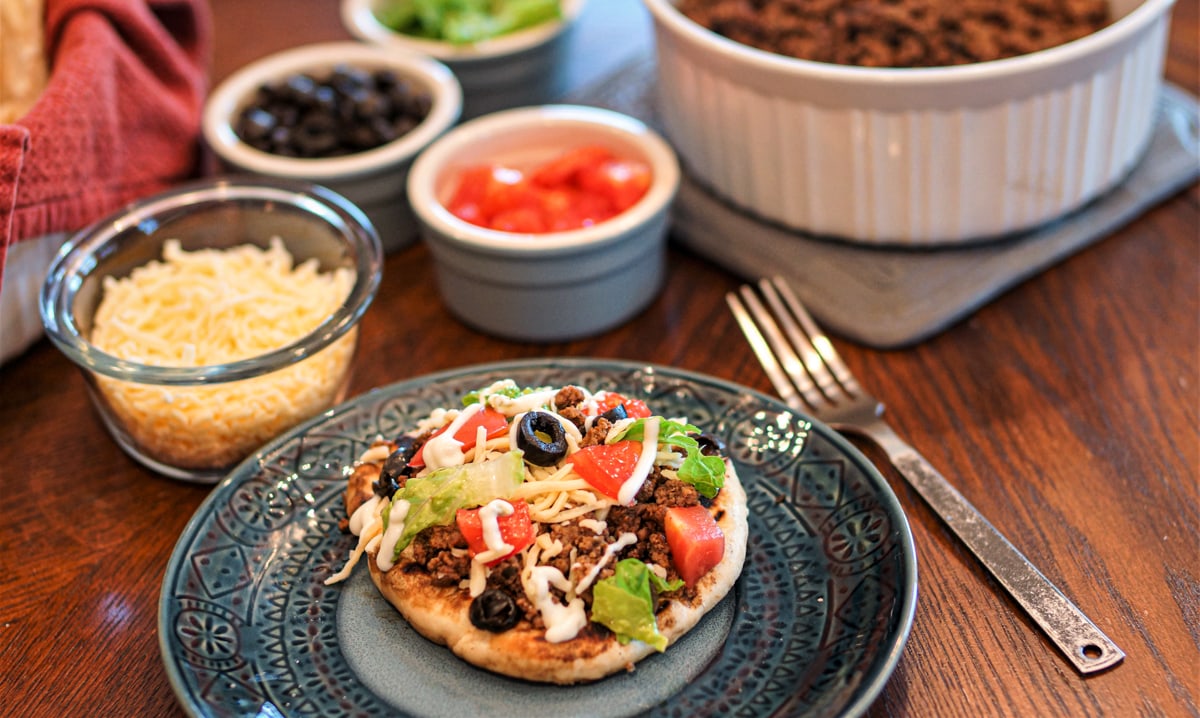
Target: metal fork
810	377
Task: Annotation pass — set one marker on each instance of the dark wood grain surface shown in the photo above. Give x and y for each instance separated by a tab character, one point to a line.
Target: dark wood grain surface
1066	410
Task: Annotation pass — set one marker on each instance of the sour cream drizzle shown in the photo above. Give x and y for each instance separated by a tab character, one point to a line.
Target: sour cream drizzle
489	516
363	523
641	470
562	622
444	450
387	547
510	406
363	515
626	539
496	548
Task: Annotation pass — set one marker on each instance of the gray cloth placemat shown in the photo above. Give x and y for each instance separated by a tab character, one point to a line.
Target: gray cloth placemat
888	297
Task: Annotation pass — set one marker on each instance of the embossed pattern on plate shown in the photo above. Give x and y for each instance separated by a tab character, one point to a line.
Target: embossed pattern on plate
824	603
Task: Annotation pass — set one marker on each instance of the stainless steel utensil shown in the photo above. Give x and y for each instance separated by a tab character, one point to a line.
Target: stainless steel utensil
810	376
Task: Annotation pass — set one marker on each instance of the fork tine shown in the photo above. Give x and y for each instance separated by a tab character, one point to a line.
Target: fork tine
784	353
758	343
793	367
819	340
803	340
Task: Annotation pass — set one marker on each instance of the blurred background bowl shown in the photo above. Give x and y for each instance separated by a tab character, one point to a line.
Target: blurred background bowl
525	67
372	179
196	422
932	156
553	286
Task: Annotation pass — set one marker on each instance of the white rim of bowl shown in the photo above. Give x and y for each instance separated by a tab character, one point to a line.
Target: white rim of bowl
666	13
423	179
79	253
358	16
223	105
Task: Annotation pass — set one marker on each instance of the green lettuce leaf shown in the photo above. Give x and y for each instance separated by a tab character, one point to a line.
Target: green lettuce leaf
435	498
624	603
706	473
464	21
512	392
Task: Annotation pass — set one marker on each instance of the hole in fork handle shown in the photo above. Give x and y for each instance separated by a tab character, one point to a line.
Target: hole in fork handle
1077	638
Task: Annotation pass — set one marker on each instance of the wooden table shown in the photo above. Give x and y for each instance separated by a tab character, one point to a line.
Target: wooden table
1066	410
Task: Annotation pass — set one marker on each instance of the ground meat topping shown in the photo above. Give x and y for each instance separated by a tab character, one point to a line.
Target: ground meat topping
567	404
574	415
435	550
588	546
673	492
506	576
595	435
568	396
900	33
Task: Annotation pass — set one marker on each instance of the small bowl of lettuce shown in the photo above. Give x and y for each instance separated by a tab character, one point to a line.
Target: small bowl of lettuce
505	53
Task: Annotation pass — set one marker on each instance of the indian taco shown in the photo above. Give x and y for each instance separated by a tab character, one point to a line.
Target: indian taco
549	534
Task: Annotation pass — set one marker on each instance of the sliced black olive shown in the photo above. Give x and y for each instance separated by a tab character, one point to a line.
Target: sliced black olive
350	110
494	610
615	414
542	438
710	445
255	124
395	467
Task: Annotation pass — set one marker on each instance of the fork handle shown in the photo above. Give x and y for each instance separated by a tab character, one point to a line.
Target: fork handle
1084	645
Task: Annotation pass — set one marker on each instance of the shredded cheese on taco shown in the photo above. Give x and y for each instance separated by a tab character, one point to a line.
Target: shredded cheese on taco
573	546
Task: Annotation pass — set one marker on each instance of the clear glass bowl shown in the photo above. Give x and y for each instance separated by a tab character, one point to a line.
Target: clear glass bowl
197	422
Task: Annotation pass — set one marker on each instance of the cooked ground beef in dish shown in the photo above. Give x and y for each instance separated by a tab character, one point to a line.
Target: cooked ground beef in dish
900	33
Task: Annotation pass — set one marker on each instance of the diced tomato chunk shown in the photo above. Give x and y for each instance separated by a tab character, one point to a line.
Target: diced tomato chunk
516	529
580	188
472	186
493	422
567	167
519	219
634	408
557	201
697	542
607	466
589	209
508	191
622	182
469	212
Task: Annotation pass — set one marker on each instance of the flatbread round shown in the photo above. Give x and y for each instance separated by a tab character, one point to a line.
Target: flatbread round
440	613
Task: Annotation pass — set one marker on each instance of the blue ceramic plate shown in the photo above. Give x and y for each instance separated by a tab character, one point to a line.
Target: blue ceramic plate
814	626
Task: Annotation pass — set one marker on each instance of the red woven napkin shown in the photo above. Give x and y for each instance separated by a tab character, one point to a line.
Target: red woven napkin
119	118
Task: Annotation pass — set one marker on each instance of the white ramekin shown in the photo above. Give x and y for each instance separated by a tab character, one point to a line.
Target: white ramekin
373	179
554	286
912	155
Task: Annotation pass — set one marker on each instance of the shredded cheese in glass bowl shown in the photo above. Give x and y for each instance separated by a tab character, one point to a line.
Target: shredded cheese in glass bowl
213	318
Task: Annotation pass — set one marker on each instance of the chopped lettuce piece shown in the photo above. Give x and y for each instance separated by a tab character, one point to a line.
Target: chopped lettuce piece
512	392
464	21
513	15
706	473
466	27
624	603
433	499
